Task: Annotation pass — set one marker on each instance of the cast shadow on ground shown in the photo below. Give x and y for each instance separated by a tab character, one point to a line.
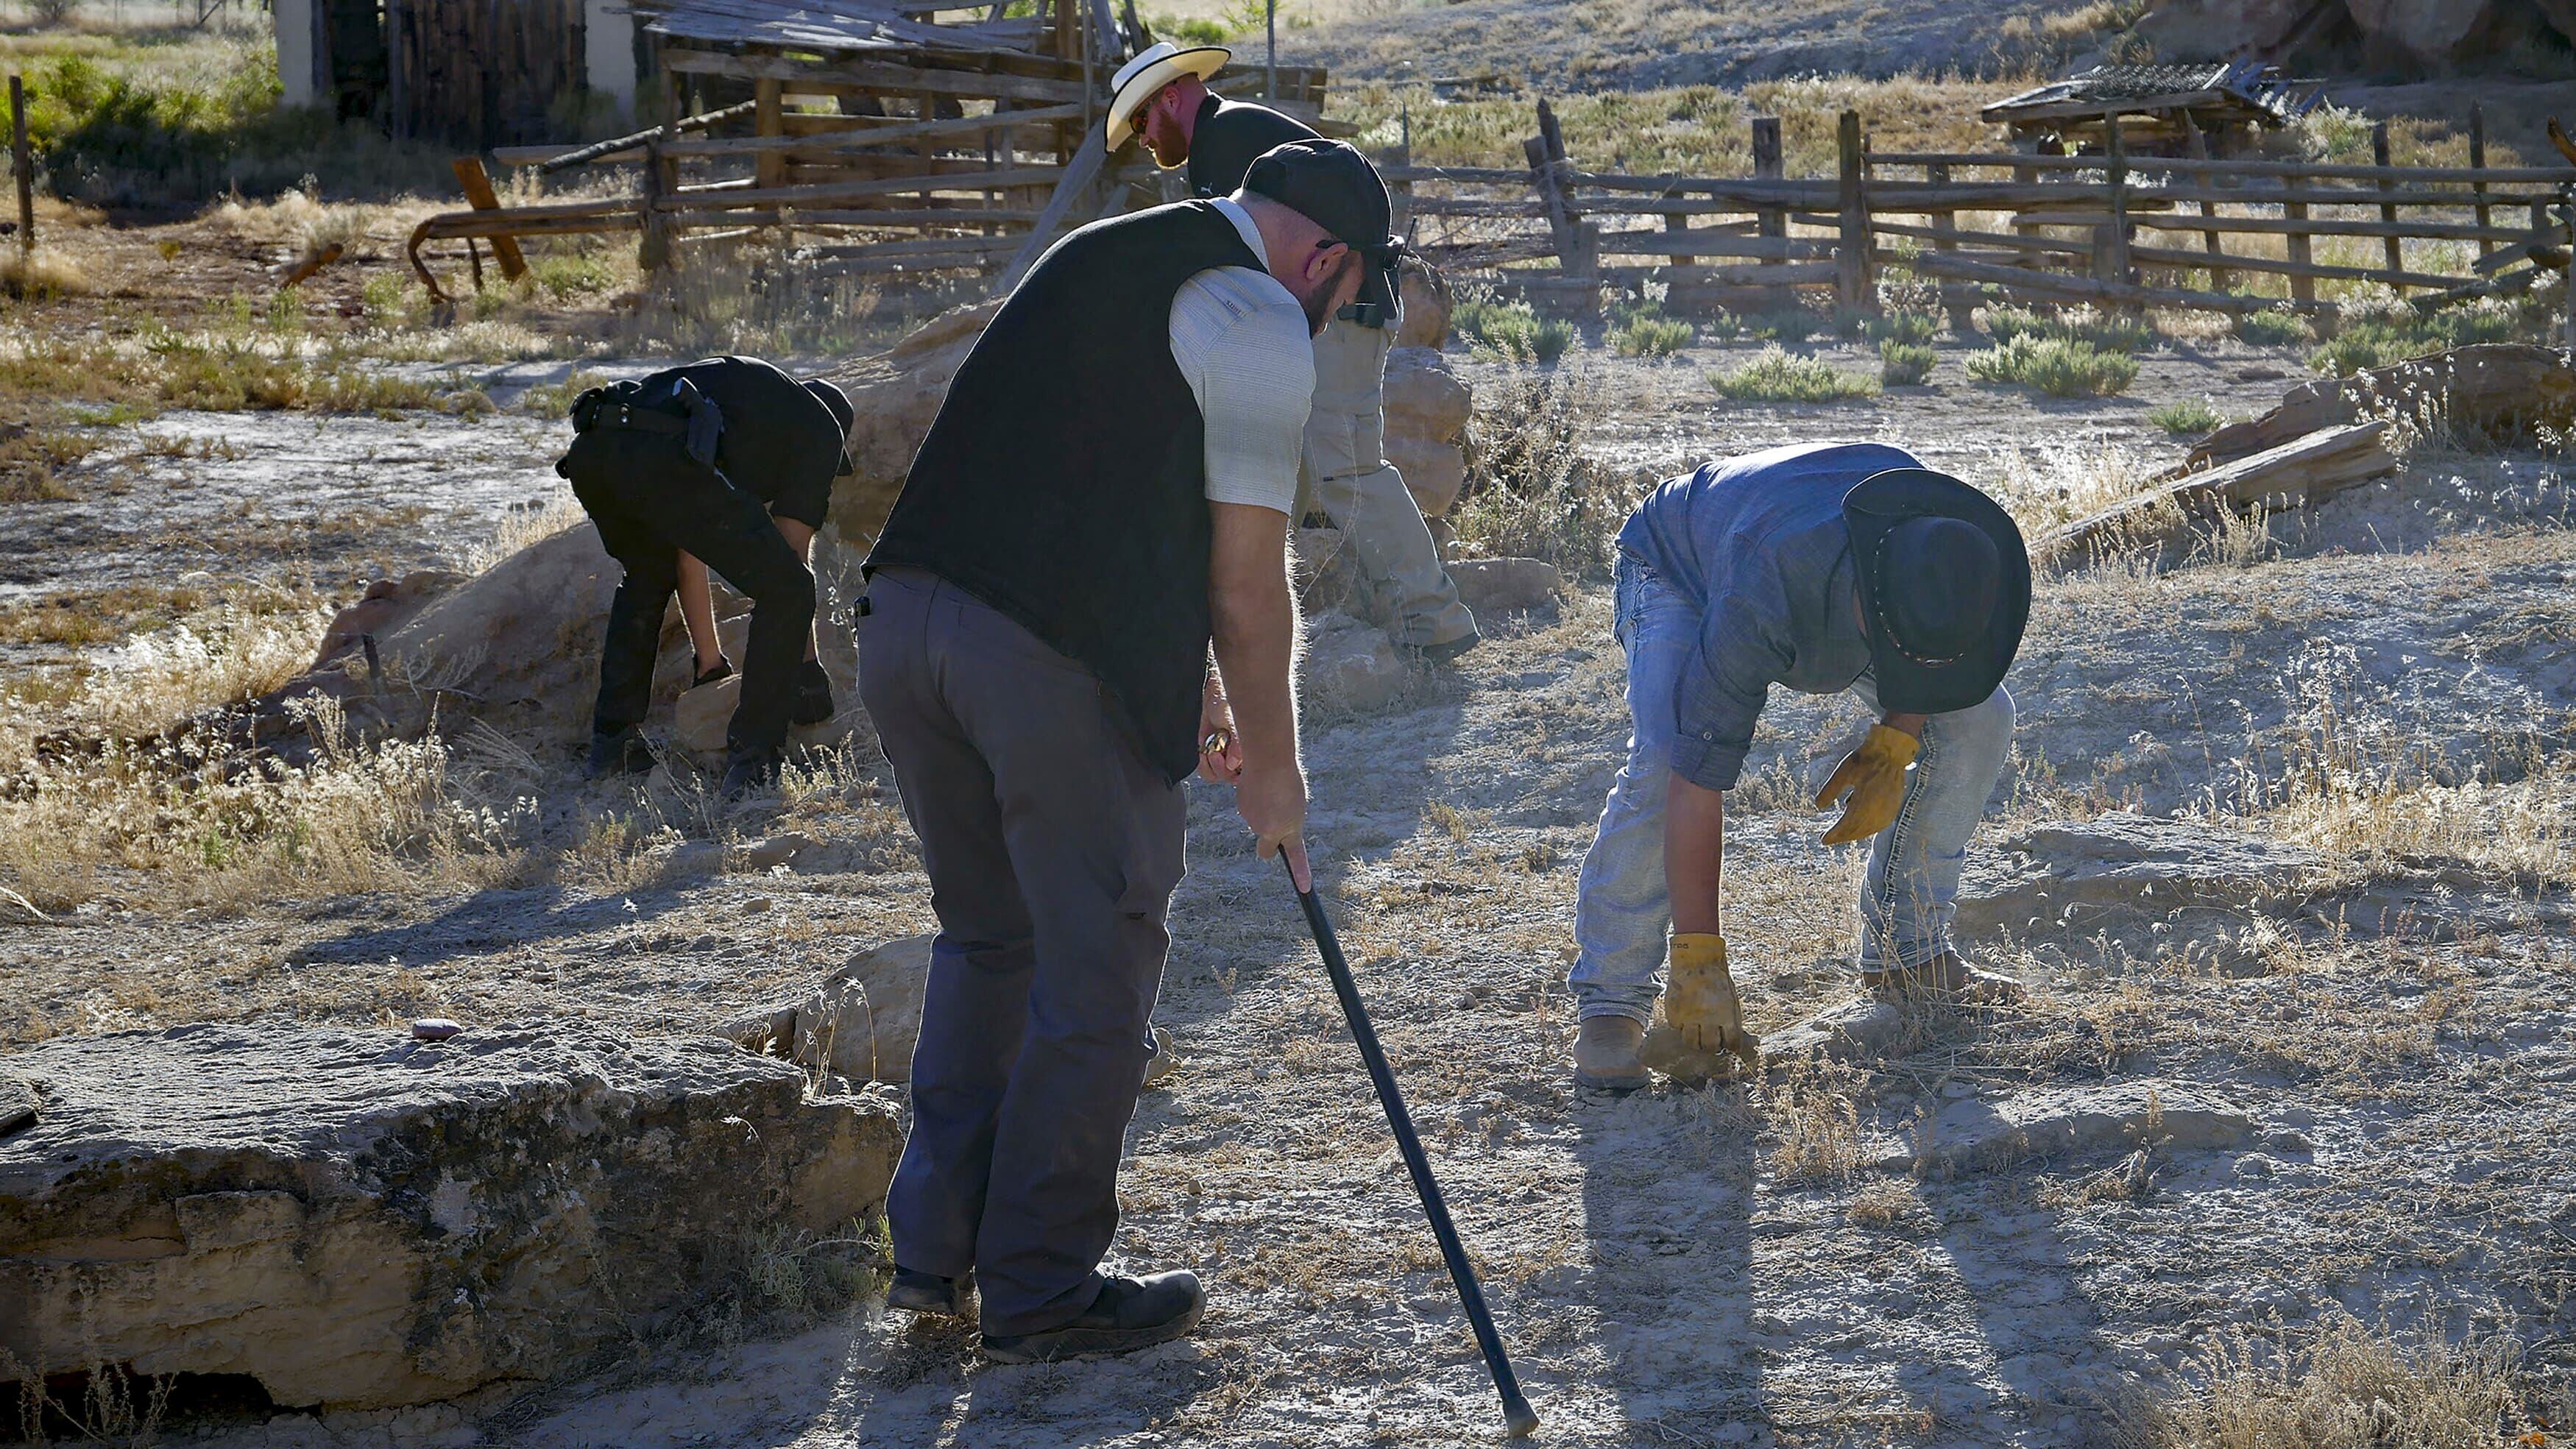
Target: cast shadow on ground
493	919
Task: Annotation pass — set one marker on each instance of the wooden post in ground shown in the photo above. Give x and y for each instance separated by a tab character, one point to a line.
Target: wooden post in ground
2220	279
2303	283
1956	300
2478	161
2567	207
2112	256
22	164
1577	243
2396	252
768	110
477	185
1852	285
1771	221
654	252
1399	193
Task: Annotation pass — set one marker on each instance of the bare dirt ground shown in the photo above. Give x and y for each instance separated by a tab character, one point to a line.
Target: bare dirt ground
1812	1259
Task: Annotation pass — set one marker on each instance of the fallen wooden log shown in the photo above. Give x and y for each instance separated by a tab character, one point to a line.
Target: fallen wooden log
2294	475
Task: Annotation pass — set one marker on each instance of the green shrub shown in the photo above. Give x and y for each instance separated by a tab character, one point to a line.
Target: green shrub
1776	376
1904	364
1511	330
2273	327
1651	336
1196	30
1792	326
2377	339
2057	366
566	276
1912	328
2187	417
2102	331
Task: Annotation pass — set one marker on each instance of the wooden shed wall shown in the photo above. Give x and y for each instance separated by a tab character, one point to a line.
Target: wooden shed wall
483	72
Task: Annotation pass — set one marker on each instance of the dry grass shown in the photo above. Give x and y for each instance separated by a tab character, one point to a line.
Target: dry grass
2350	1386
42	275
1811	1114
1535	489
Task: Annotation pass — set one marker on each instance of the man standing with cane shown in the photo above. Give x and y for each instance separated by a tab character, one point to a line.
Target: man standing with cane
1103	497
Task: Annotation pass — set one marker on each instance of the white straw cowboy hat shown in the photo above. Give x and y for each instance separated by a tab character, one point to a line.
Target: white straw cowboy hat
1155	67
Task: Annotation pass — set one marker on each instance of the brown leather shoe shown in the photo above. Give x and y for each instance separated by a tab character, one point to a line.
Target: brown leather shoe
1605	1054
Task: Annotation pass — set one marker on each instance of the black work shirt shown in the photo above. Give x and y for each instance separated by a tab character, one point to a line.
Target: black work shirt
781	445
1228	137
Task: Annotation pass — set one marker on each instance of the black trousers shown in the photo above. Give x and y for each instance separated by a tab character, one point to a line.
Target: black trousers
651	501
1052	850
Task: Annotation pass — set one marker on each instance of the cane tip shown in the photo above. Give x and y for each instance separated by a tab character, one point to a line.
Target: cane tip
1519	1419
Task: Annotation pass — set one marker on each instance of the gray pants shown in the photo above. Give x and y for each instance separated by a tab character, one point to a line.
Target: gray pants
1052	849
1347	476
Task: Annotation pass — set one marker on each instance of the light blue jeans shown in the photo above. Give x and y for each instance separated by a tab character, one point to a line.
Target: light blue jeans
1621	912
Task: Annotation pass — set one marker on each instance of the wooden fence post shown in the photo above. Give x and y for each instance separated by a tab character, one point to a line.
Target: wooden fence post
1852	284
1956	300
1577	245
654	252
2303	283
2396	248
1399	193
22	164
2220	279
1771	221
477	186
2111	256
769	168
2478	161
2567	205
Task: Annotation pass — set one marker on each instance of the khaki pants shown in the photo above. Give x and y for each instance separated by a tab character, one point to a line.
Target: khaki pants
1346	477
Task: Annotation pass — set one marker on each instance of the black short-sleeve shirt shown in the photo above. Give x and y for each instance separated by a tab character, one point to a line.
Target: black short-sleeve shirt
780	444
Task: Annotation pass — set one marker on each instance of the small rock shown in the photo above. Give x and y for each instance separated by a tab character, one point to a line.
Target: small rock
1506	585
18	1104
1351	665
777	850
700	717
757	904
434	1028
2260	373
2289	1143
1166	1058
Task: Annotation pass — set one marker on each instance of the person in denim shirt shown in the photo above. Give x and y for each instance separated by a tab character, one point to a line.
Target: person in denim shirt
1824	568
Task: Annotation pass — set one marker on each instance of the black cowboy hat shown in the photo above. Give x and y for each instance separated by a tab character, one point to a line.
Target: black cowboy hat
1945	588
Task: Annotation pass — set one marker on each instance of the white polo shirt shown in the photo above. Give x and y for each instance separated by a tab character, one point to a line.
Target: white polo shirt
1241	340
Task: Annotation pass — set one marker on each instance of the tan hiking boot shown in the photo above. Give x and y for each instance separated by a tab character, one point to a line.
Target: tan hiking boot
1605	1053
1944	978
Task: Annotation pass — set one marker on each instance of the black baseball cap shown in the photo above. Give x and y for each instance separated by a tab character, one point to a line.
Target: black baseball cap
1332	185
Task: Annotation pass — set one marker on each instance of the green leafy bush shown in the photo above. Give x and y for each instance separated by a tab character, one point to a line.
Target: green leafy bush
1792	326
1904	364
1196	30
2273	327
1511	330
1776	376
2102	331
2378	338
2186	417
1912	328
2057	366
1651	336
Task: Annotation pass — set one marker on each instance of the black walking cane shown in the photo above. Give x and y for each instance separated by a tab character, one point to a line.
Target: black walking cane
1517	1413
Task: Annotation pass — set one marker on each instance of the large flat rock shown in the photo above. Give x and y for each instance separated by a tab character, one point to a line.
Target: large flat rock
2077	875
361	1220
1978	1135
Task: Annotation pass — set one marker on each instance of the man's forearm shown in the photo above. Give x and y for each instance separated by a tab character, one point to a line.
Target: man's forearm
1694	855
1255	633
698	612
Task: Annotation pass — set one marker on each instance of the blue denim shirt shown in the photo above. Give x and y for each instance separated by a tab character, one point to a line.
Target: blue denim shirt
1757	544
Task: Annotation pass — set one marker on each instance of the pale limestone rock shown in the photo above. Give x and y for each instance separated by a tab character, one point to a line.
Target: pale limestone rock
1350	665
1976	1134
861	1023
363	1221
1506	585
700	716
2075	876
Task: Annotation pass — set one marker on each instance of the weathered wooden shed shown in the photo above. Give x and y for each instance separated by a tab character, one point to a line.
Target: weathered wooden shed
474	72
2158	107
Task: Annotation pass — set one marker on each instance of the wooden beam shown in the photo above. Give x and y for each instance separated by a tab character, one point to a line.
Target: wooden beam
1852	286
2293	475
478	194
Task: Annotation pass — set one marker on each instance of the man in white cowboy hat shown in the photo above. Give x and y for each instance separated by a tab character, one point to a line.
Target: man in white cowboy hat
1162	98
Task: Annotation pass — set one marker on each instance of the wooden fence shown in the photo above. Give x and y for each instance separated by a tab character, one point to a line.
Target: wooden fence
2102	229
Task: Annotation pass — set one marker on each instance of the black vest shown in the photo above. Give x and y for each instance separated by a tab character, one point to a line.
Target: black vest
1064	481
1228	137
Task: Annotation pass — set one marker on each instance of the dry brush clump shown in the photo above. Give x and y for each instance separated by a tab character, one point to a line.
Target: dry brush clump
1536	488
2349	1385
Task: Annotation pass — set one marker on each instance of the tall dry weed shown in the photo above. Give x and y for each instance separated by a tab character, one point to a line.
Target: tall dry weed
1536	488
2350	1386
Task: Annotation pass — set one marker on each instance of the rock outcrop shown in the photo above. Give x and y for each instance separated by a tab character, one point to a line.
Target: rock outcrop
2430	34
2075	876
2506	393
361	1220
860	1024
520	640
1506	585
387	605
2184	30
1427	409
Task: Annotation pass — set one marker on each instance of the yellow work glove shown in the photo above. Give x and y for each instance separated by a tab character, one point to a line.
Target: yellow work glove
1874	776
1700	1003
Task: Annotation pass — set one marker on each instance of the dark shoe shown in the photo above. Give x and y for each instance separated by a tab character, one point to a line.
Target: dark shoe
749	770
1129	1314
811	701
620	752
721	669
928	1292
1445	651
